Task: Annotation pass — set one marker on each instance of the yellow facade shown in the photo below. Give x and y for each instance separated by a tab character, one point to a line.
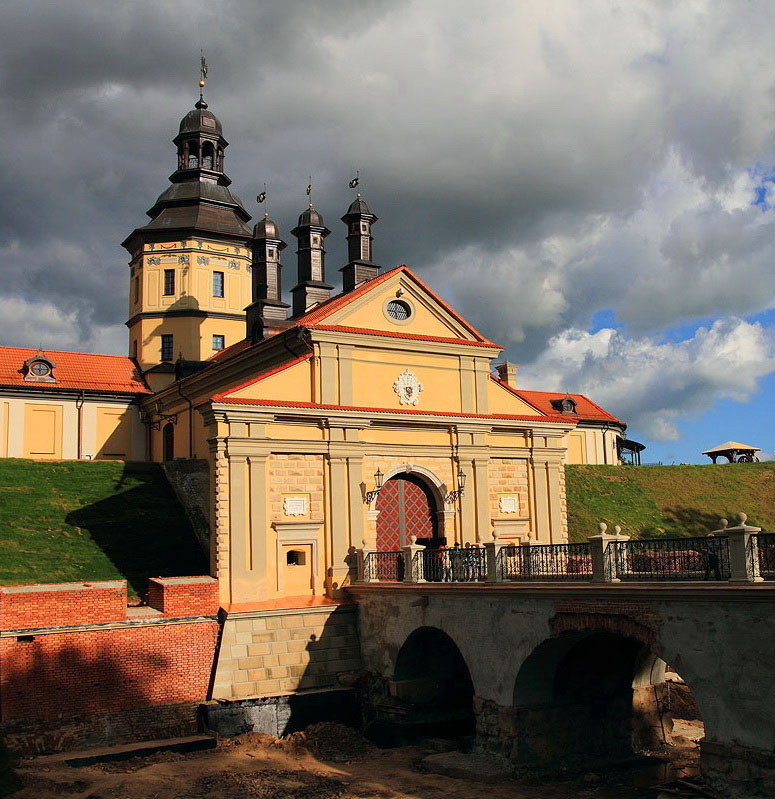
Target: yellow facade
69	429
293	447
174	288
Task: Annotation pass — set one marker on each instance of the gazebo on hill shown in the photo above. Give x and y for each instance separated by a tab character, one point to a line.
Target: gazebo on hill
734	452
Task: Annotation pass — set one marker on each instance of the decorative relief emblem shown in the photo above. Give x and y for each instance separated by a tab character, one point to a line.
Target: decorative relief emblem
408	388
202	260
183	259
233	265
509	504
154	260
295	506
249	268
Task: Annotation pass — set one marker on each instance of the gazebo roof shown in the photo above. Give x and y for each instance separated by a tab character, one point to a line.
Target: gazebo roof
730	445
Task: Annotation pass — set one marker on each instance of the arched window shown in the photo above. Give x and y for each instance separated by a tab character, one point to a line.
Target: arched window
207	155
193	156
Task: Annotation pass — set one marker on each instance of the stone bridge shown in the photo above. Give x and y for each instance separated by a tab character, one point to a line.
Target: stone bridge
545	674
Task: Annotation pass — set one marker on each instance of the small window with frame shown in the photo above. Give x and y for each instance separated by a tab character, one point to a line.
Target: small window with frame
219	342
169	282
217	284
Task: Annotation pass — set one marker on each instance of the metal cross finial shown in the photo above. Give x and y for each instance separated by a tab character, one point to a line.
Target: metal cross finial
202	72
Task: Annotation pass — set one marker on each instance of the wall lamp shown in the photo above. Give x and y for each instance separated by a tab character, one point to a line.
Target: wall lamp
147	417
460	491
370	496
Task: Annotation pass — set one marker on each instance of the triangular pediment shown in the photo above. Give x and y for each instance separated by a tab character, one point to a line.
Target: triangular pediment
396	303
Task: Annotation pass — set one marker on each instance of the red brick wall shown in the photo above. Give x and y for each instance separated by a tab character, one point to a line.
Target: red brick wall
184	596
140	660
26	606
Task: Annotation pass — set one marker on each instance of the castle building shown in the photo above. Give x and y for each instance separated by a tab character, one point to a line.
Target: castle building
326	422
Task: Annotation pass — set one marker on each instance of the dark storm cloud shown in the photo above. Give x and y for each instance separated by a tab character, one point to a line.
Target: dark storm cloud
536	162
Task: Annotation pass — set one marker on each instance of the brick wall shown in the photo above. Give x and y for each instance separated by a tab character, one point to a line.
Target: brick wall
508	477
26	606
296	476
75	650
183	596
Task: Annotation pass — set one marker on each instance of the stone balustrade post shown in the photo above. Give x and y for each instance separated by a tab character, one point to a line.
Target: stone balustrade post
743	551
492	559
530	558
604	568
413	562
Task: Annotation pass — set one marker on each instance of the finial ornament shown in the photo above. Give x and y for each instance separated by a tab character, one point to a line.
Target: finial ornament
602	527
742	517
309	191
261	196
355	181
202	72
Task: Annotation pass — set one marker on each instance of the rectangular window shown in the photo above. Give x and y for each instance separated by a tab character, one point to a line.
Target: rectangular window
217	284
166	347
169	281
219	342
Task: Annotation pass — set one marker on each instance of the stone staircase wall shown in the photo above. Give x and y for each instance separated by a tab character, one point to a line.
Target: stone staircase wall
283	651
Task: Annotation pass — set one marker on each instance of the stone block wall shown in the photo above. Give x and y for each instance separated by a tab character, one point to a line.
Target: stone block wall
296	476
274	652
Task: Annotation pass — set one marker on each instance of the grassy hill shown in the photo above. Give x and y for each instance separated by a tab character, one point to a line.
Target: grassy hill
92	520
650	501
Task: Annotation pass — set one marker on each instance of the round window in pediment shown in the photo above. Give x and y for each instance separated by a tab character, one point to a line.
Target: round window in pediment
40	369
398	310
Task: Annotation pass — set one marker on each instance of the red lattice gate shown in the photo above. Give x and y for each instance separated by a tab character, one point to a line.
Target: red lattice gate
406	508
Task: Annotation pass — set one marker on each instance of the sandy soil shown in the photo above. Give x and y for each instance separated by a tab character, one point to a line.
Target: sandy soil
261	767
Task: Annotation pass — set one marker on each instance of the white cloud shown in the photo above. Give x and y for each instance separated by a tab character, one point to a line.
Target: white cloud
651	384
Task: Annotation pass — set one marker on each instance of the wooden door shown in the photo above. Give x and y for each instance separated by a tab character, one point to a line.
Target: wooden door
406	507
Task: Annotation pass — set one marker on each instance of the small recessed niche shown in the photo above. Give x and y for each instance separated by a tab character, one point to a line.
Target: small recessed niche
296	557
25	639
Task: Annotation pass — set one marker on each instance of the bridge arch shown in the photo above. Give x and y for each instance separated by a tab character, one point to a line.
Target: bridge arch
432	686
593	694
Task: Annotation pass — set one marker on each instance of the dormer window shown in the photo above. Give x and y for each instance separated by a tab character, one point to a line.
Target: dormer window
39	370
566	405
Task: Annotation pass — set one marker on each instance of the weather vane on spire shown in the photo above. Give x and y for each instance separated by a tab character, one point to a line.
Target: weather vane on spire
262	198
309	190
202	73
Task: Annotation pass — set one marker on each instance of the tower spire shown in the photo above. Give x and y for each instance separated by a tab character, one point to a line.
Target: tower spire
359	220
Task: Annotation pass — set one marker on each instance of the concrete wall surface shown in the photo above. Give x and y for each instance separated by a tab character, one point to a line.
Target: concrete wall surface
512	640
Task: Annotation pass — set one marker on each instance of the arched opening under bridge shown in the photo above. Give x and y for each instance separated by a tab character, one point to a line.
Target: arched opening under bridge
431	693
592	697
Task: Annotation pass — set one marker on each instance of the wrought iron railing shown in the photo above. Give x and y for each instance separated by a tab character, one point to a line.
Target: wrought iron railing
762	547
705	558
453	565
383	567
545	562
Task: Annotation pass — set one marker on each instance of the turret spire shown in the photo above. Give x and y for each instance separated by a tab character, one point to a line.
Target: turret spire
359	220
311	288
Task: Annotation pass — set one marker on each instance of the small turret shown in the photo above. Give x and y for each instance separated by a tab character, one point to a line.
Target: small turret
360	267
311	288
267	312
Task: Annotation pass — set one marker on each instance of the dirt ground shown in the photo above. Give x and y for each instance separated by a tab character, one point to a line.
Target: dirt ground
335	763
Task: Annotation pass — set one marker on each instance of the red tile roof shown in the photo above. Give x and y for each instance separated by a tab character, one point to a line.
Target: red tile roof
411	336
546	417
281	368
74	370
586	410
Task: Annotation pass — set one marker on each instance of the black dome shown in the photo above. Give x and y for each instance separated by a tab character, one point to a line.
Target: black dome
311	217
201	120
358	206
266	229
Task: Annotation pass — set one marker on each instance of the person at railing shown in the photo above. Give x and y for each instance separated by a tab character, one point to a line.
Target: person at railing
713	559
456	563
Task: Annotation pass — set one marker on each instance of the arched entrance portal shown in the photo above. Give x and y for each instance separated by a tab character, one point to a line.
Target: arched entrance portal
407	507
596	696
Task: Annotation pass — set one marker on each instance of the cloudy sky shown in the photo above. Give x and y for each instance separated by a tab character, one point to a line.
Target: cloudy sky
591	183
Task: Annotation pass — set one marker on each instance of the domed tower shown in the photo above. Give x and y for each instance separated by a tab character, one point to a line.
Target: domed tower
360	266
311	288
190	265
267	313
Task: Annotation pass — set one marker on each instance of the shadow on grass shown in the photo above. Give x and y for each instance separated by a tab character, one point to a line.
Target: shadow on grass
143	530
687	522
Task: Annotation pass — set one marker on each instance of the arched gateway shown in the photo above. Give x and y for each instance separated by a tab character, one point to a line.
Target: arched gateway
407	507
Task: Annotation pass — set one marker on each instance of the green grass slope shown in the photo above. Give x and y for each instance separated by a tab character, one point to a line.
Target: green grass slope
666	501
92	520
